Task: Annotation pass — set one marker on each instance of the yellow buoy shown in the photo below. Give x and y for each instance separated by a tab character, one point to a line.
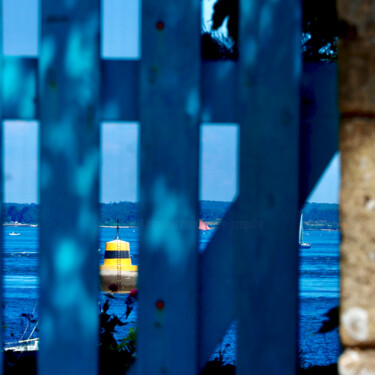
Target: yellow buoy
118	274
117	253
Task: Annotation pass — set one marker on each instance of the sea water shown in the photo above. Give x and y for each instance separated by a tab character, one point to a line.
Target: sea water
319	291
318	285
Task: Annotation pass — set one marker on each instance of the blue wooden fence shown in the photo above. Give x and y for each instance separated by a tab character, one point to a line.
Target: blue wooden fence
1	181
248	273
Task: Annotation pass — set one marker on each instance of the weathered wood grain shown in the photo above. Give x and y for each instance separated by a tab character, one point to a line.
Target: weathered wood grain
168	257
267	253
69	68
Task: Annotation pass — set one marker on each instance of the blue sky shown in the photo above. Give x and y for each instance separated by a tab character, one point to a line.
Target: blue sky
119	146
119	141
327	188
20	161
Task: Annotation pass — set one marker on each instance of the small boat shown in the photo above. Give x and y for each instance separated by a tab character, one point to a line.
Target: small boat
302	245
29	345
203	225
14	234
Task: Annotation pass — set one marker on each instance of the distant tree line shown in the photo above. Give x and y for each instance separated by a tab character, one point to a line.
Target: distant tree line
21	213
126	212
212	211
321	216
315	215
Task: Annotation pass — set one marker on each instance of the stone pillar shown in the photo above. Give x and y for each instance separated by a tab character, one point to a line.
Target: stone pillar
357	209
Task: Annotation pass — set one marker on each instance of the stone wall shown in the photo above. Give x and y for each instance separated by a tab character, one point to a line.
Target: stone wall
357	145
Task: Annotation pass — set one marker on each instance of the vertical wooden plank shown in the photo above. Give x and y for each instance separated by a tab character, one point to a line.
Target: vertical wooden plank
19	87
169	114
216	300
266	254
1	180
319	123
219	91
119	101
69	97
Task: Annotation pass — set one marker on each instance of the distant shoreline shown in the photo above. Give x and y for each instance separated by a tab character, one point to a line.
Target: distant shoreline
36	225
211	224
325	229
120	226
19	225
316	216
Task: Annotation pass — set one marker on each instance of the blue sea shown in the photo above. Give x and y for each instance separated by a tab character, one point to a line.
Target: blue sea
319	289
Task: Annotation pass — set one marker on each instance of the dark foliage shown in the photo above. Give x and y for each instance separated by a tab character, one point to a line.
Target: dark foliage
108	324
319	20
116	358
214	48
216	367
320	29
331	322
319	370
226	9
16	364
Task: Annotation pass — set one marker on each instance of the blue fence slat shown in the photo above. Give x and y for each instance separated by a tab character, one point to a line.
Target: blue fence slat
219	91
217	286
120	90
19	88
265	266
69	136
266	252
1	182
320	120
169	114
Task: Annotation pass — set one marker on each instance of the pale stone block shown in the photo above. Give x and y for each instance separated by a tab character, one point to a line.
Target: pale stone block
356	54
356	76
357	209
359	15
357	362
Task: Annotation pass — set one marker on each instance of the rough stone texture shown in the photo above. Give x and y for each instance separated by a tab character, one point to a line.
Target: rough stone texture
357	362
356	51
357	142
360	13
357	77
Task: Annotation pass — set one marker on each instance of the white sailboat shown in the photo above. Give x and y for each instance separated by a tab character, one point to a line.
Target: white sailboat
29	345
302	245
